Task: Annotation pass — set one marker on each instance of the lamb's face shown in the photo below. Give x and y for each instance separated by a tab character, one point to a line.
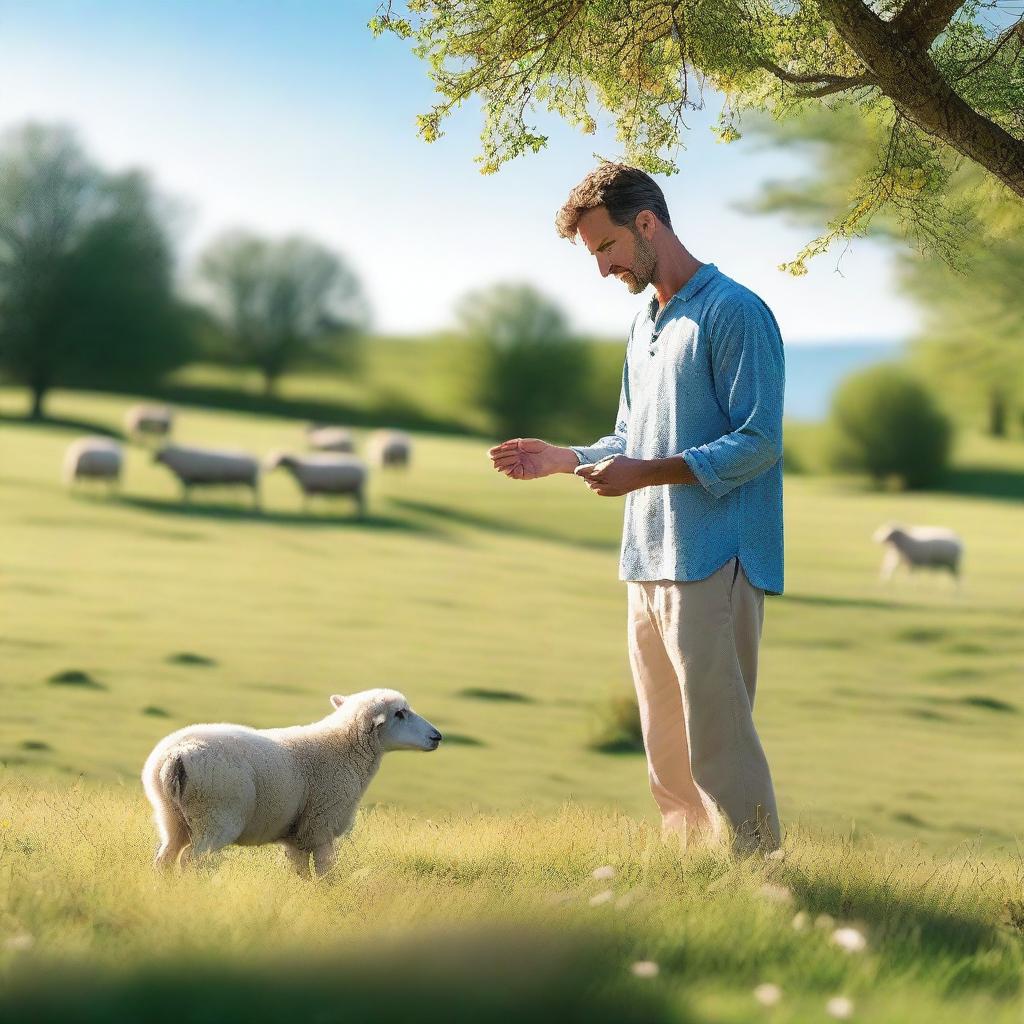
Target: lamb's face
386	714
402	729
885	533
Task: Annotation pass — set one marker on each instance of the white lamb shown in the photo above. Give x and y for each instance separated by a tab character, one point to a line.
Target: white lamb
918	547
93	458
326	438
214	785
323	473
149	420
210	467
391	448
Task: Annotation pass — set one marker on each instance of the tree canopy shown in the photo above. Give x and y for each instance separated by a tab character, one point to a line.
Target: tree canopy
280	301
972	338
86	268
941	78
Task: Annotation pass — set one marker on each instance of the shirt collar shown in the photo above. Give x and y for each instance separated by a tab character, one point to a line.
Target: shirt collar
702	277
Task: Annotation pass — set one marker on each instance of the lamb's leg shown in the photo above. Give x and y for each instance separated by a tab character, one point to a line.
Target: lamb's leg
209	837
174	837
323	858
299	859
889	563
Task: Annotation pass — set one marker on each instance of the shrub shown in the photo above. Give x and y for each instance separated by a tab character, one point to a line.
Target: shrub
529	370
887	424
619	729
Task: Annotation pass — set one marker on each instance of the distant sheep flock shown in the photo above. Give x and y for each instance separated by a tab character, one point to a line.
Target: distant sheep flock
331	469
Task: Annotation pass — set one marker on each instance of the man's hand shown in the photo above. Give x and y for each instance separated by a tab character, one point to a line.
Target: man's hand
529	458
619	474
613	477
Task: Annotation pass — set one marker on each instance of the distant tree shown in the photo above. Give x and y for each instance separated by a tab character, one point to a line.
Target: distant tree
86	269
280	302
972	342
943	78
888	425
530	367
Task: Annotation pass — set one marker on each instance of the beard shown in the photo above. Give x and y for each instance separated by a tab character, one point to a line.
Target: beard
645	265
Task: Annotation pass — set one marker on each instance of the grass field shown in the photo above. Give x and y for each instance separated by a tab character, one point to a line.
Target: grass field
890	715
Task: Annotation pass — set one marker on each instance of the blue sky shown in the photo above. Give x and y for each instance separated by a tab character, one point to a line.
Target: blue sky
288	116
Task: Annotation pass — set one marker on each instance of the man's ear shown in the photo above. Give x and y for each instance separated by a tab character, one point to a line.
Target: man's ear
337	700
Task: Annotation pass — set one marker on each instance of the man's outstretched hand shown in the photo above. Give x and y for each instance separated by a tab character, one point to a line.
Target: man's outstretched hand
529	458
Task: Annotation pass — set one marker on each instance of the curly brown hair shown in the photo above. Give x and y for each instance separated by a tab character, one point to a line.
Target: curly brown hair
622	190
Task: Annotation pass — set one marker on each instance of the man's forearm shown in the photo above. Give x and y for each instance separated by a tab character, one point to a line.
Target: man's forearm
672	470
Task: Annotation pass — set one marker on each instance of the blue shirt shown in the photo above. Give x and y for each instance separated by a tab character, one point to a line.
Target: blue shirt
705	379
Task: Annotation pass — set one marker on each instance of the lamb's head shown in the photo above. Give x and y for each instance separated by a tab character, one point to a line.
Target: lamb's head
887	532
278	457
386	716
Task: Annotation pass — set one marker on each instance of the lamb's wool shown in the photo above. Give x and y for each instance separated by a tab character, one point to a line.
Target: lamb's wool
214	785
93	458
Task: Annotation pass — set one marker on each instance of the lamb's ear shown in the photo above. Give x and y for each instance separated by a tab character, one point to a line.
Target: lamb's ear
378	721
337	700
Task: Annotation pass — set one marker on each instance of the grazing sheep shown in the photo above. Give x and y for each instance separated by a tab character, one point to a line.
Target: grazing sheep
324	473
149	421
210	466
326	438
214	785
919	547
93	458
391	448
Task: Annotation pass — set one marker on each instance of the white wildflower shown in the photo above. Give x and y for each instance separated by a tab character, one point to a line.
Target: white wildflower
645	969
360	874
826	922
775	855
768	994
605	873
625	900
850	939
839	1007
776	893
605	896
19	942
801	921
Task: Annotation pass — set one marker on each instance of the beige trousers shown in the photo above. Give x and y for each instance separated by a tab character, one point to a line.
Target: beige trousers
693	648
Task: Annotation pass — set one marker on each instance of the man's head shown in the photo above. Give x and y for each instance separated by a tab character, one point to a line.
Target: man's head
621	215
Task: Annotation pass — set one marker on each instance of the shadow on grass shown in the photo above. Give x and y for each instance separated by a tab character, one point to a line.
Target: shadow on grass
496	525
242	513
941	926
60	423
440	978
829	601
985	482
391	410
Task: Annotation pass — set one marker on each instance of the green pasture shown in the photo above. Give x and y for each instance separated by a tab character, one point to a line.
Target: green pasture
893	710
893	717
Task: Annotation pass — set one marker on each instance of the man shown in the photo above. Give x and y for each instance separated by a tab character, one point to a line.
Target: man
697	452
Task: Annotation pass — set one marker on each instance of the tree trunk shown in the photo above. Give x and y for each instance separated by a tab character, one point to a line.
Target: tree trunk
996	413
38	397
899	63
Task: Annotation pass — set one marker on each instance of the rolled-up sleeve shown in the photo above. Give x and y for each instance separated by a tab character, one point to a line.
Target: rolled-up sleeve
614	443
750	380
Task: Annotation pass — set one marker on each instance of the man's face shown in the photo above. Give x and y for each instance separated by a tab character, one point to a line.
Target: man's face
618	250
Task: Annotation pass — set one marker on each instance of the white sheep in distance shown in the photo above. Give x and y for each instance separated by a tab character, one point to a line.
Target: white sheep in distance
918	547
93	458
323	473
326	438
216	785
390	448
210	467
149	421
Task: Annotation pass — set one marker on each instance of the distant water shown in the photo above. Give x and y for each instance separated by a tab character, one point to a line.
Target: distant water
813	372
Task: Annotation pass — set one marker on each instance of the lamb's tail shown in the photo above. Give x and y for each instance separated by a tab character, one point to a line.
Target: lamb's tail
173	779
